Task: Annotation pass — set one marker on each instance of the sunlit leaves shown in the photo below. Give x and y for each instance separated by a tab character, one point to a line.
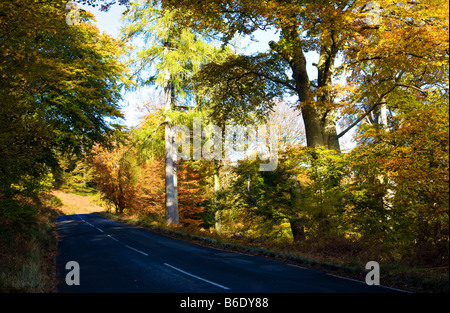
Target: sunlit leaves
383	70
60	86
164	47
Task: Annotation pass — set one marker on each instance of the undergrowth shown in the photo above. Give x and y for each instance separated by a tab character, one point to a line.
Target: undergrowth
27	245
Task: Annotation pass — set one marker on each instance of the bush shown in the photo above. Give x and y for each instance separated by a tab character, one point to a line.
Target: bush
55	201
27	246
15	213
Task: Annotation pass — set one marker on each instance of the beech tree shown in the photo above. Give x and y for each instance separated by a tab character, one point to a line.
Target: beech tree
364	33
60	88
330	28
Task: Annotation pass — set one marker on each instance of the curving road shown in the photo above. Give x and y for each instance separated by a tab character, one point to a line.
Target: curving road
119	258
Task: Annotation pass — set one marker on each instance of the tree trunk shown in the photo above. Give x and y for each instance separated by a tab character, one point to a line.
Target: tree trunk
325	98
298	231
171	203
320	123
218	220
172	213
318	115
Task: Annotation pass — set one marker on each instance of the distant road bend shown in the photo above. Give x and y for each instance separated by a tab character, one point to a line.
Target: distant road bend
118	258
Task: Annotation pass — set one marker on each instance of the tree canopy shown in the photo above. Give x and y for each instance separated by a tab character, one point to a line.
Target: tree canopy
60	87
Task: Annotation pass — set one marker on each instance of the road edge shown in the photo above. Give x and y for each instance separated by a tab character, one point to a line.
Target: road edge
337	270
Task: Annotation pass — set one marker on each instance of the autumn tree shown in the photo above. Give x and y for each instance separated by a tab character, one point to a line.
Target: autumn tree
330	28
388	50
114	178
60	86
401	178
169	58
290	18
369	34
398	73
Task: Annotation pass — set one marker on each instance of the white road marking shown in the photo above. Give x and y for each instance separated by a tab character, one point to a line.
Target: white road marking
361	282
346	278
129	247
136	250
113	238
90	223
199	278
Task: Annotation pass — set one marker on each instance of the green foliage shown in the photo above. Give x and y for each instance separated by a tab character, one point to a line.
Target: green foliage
60	86
30	186
171	53
400	190
55	201
77	174
303	189
238	88
15	214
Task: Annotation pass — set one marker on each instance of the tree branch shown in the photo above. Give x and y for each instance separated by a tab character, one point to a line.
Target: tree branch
275	80
374	106
360	119
414	88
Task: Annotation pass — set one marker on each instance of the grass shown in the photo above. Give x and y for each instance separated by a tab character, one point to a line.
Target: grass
27	249
28	240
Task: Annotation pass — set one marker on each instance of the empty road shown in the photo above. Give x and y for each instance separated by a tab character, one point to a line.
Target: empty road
118	258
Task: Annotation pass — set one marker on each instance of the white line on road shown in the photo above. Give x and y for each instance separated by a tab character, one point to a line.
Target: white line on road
361	282
139	251
199	278
136	250
297	266
90	224
113	238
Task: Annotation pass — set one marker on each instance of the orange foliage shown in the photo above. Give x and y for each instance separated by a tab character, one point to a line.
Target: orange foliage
190	195
140	188
114	178
151	193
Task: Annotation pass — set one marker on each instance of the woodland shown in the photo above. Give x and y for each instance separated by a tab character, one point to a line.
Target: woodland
362	149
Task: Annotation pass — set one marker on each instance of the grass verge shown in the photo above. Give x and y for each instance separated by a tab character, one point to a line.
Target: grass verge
28	245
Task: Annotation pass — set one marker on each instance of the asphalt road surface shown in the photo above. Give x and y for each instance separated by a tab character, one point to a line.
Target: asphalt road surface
118	258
